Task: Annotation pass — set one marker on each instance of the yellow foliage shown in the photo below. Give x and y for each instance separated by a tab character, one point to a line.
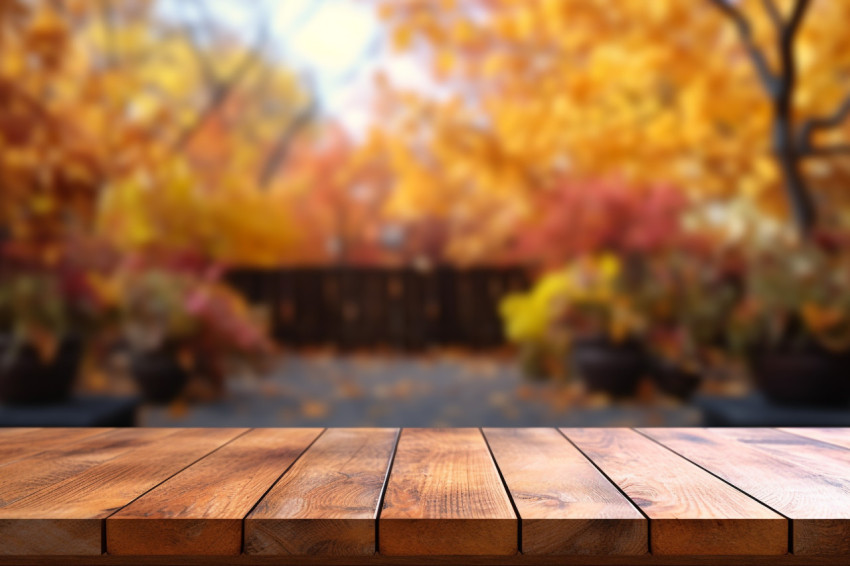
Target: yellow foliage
646	92
113	120
233	222
530	316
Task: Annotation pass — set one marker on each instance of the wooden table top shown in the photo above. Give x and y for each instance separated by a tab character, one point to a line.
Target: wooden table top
425	496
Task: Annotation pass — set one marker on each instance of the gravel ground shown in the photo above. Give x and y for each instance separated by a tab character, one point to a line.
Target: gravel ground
444	389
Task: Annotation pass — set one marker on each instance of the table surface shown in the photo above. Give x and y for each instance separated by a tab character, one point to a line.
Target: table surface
425	496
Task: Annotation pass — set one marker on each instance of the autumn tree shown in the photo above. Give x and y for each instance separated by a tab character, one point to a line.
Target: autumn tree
792	142
170	134
452	180
604	218
526	93
49	174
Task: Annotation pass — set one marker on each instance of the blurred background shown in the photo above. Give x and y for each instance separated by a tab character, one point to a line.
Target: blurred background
424	213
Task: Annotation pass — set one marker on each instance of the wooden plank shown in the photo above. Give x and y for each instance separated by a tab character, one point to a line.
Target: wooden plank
565	504
691	512
26	476
66	518
327	503
836	436
200	510
444	496
804	479
14	430
11	443
18	443
380	560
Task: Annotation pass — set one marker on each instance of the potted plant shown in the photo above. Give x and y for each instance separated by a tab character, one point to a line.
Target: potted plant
154	324
600	312
229	333
688	301
586	311
44	318
529	322
615	230
183	323
793	324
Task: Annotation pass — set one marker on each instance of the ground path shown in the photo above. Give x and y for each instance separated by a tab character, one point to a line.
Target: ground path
443	389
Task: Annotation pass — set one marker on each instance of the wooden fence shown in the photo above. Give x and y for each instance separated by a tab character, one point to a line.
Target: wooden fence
402	308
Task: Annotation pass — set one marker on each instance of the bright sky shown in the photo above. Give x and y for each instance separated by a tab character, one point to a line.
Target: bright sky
338	43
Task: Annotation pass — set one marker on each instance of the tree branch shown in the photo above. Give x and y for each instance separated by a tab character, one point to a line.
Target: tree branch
837	149
800	8
788	76
222	90
768	79
809	127
369	52
281	148
773	11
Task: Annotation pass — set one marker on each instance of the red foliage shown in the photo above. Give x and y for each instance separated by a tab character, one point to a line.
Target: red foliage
576	219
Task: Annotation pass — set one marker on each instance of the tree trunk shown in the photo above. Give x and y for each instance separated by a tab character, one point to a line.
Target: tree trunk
796	190
799	197
780	90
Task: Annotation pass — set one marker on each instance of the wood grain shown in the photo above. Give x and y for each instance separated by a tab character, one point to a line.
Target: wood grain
836	436
18	443
691	512
327	503
26	476
200	510
566	505
13	430
806	480
380	560
66	518
444	496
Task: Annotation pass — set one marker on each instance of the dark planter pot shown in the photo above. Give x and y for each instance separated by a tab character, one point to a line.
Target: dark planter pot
611	367
158	374
675	381
27	380
808	377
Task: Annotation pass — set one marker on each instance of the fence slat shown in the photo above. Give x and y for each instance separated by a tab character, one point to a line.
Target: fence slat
368	307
